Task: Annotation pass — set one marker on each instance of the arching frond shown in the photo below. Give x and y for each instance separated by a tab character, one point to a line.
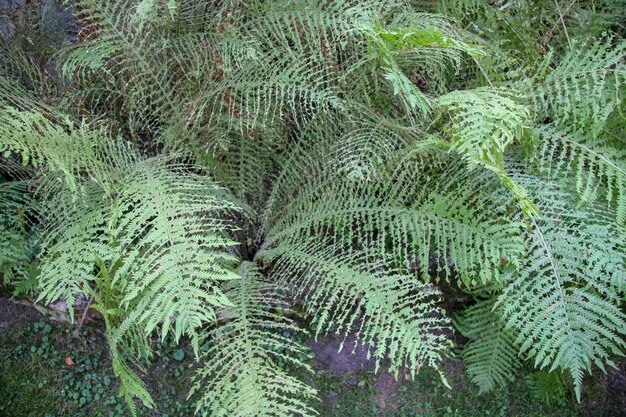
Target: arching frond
490	356
574	271
420	217
598	170
64	148
394	315
164	226
580	92
241	375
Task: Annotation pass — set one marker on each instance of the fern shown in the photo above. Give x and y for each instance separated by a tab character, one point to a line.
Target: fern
162	274
580	93
421	219
598	169
399	320
573	270
196	167
491	356
483	124
241	374
15	246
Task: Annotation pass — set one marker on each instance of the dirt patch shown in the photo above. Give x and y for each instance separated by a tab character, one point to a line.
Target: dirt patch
615	384
13	314
385	385
350	360
609	400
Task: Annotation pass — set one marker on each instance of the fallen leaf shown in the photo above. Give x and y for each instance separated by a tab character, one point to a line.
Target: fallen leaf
69	361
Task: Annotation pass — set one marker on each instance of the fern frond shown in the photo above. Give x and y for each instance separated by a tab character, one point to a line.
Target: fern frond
173	245
330	242
574	271
60	147
490	356
583	89
16	205
241	375
412	38
423	220
599	170
164	226
135	61
73	242
483	123
396	315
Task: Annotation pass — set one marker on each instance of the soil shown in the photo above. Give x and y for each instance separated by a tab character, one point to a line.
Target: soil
349	360
14	314
613	401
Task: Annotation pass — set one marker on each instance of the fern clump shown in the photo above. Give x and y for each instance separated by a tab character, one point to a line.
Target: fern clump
196	169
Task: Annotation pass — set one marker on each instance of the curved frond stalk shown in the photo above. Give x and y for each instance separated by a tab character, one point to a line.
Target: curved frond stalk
241	375
564	302
490	356
483	123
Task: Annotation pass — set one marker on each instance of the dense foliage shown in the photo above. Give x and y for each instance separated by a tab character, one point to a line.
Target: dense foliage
208	169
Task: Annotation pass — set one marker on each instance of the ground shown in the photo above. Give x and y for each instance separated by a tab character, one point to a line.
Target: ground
47	370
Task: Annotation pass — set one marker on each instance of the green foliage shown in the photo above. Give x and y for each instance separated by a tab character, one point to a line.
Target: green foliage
565	273
177	163
583	89
491	355
242	375
549	387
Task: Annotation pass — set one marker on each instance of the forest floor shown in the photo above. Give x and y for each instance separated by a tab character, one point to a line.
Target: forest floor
47	370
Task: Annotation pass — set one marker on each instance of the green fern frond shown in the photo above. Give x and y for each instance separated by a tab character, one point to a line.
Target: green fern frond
135	62
241	375
584	87
173	246
598	170
60	147
490	356
423	220
573	270
411	38
16	205
165	226
73	243
396	315
483	123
